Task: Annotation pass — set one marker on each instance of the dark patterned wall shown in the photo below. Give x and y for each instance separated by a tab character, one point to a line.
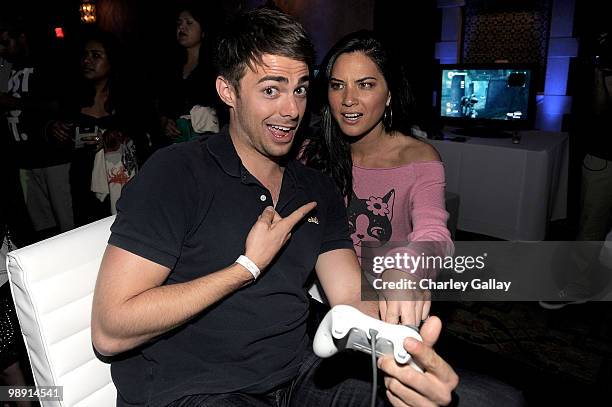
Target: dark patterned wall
516	31
328	21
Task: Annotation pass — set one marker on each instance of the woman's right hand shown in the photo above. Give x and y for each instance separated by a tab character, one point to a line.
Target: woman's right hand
169	128
61	131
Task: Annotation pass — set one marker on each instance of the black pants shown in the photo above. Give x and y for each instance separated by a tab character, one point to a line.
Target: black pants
344	380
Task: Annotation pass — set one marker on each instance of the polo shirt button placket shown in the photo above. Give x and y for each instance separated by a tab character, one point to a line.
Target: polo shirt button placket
263	198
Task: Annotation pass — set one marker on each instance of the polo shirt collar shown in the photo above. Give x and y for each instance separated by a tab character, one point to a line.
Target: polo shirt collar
222	149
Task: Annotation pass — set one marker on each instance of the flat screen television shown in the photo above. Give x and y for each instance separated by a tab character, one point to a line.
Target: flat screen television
486	101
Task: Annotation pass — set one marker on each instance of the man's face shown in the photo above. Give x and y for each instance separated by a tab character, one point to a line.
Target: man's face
270	104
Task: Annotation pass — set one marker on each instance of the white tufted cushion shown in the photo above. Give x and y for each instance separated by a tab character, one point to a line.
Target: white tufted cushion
52	284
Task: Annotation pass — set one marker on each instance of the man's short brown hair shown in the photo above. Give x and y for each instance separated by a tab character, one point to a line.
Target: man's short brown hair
256	33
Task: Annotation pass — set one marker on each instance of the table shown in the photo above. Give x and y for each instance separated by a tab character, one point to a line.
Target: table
506	190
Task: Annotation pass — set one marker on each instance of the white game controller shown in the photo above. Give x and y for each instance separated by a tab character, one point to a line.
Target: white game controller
344	327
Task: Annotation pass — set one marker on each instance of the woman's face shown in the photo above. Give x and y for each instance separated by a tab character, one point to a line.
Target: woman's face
188	30
357	93
94	63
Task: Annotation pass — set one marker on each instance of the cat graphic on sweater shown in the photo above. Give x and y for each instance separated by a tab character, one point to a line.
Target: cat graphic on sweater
370	219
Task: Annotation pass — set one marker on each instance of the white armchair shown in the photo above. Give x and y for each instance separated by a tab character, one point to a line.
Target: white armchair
52	284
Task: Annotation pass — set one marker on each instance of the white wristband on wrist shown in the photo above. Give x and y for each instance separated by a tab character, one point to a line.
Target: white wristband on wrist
249	265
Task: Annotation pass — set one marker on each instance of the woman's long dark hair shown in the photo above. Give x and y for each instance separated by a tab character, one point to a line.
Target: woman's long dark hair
114	53
208	25
210	17
329	151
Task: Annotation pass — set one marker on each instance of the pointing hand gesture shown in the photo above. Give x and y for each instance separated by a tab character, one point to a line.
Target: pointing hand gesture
270	233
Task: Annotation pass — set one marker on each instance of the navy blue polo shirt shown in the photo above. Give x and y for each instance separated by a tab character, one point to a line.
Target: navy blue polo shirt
190	209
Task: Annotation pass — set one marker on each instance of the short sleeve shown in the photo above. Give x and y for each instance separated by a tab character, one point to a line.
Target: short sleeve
337	234
157	208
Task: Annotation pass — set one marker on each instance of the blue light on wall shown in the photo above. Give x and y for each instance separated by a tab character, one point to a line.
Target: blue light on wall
554	103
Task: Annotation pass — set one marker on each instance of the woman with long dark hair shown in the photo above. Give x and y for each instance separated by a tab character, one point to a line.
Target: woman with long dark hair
191	78
97	117
392	182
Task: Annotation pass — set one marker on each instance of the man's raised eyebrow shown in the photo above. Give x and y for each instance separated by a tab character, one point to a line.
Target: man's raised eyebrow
273	78
282	79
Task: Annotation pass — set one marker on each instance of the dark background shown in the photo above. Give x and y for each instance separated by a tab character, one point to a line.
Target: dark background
562	358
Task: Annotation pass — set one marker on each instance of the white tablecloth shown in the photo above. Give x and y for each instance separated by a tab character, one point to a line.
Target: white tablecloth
506	190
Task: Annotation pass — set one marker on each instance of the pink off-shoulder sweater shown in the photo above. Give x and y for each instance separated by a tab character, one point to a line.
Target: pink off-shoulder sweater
402	208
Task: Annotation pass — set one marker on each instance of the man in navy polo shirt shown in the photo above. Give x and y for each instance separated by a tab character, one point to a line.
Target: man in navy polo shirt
202	289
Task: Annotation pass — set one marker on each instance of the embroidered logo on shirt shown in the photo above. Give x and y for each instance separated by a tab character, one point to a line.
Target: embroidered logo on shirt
313	219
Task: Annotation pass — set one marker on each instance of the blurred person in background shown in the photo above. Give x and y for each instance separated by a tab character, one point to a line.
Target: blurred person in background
14	221
27	101
101	128
190	80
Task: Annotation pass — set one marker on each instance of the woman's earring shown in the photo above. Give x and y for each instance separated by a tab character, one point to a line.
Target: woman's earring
388	117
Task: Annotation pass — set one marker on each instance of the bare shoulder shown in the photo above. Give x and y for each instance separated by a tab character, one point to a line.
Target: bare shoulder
414	150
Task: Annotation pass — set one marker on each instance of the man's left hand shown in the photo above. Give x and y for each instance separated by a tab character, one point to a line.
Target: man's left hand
409	387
